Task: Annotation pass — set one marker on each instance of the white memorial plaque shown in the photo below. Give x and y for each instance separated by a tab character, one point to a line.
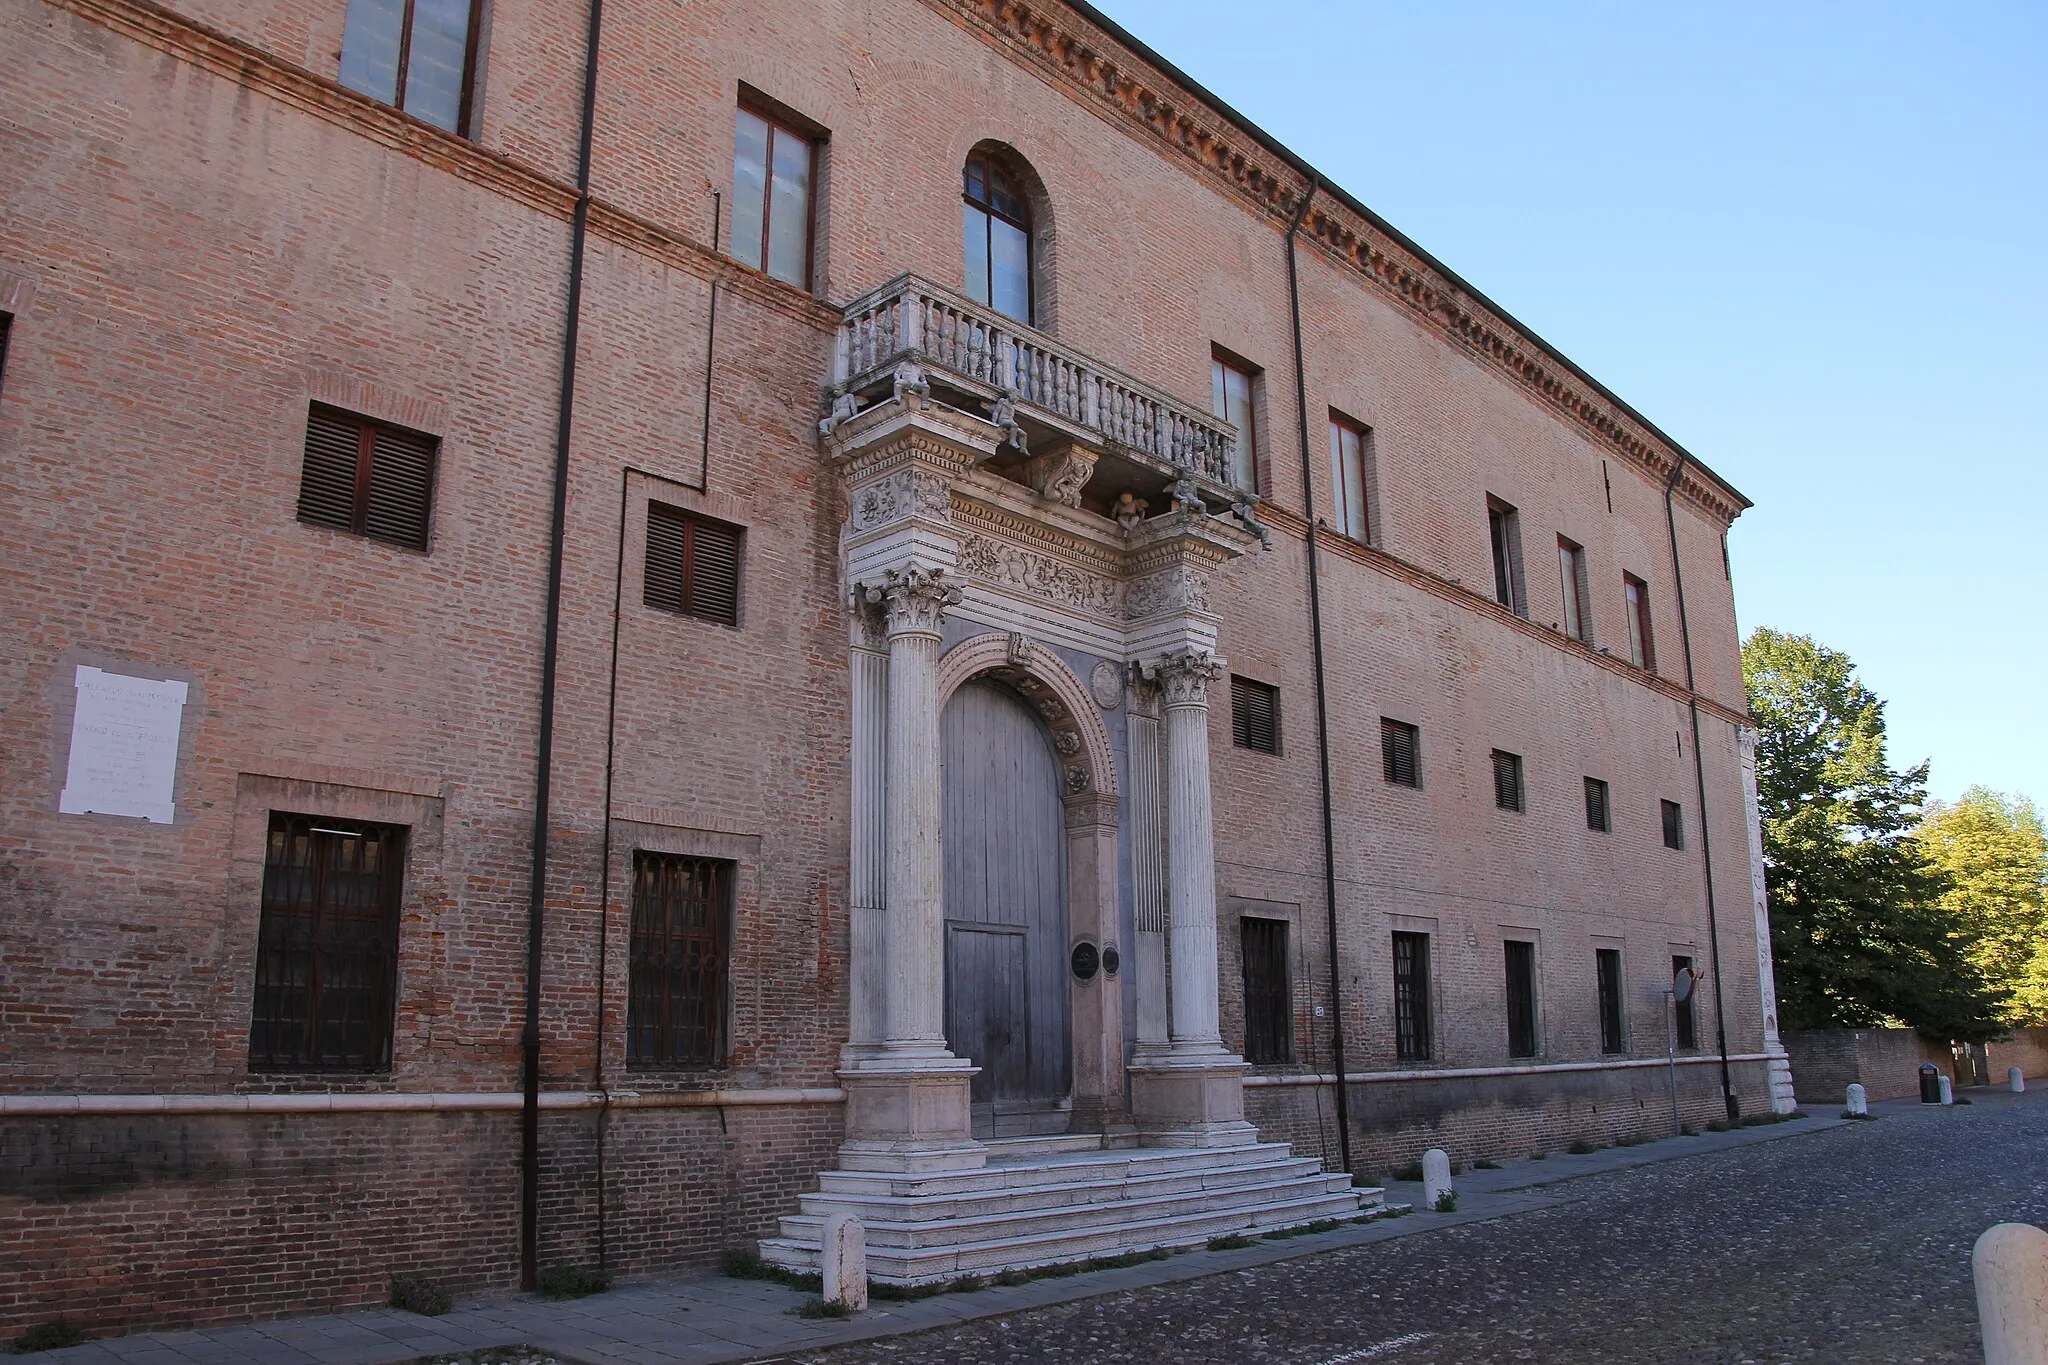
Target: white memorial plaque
124	746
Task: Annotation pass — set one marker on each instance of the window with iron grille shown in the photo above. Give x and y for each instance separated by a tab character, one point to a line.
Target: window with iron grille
327	945
1254	715
419	55
1400	752
1507	780
693	565
1521	967
680	960
1684	1022
1597	816
1411	997
1607	967
367	478
1674	825
1268	1005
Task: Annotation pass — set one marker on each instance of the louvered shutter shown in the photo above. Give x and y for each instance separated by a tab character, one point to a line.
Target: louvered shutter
1255	715
401	494
1397	752
327	484
1596	804
667	540
714	565
1507	780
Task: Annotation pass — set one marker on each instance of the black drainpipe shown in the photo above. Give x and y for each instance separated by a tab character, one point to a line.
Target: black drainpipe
1315	625
1699	773
529	1124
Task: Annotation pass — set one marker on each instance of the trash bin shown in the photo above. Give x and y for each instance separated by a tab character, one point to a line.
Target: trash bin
1930	1083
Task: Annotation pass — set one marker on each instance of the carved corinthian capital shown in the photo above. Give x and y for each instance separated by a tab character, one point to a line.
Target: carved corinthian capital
914	600
1183	676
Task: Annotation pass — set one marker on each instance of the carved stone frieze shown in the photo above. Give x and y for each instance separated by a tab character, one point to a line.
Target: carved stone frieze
915	600
1176	590
903	494
1041	576
1183	677
999	524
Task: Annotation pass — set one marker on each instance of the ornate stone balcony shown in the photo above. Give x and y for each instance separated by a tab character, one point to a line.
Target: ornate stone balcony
1078	431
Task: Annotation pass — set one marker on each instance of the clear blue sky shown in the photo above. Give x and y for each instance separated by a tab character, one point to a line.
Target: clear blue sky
1810	241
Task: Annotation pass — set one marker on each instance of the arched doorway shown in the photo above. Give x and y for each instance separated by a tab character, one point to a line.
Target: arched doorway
1006	910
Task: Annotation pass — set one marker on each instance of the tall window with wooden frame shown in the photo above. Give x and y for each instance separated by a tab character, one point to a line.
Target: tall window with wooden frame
1254	715
693	565
1521	997
1268	1003
1400	752
327	945
367	478
1232	389
1412	1031
1684	1022
1350	447
1504	534
1607	968
6	333
995	235
417	55
1578	608
680	963
1642	650
774	166
1674	823
1507	780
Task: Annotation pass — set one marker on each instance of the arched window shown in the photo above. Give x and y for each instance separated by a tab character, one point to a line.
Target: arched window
995	224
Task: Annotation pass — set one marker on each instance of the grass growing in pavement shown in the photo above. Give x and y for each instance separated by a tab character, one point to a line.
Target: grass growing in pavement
821	1308
1581	1147
418	1294
1411	1171
48	1336
1230	1242
1305	1230
1859	1118
1634	1140
745	1263
572	1282
1538	1156
1484	1164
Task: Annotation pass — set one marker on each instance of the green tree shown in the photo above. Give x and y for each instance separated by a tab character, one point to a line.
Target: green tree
1859	929
1992	851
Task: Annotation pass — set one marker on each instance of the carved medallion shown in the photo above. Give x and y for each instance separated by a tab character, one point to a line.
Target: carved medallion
1106	682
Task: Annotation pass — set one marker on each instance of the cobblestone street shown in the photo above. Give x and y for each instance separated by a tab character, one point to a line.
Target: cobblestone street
1851	1244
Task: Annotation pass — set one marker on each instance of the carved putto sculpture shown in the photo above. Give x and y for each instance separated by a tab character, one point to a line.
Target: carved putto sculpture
1244	509
1130	509
1187	499
909	380
1004	415
844	406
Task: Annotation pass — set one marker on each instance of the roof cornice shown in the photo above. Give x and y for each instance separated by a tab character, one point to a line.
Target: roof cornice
1085	52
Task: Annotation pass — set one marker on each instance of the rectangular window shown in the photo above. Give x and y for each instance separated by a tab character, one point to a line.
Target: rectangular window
681	955
367	478
1504	527
6	332
327	945
1674	825
1411	997
1268	1006
1507	780
1400	752
1684	1021
1521	965
1254	715
419	55
773	167
1642	652
1578	612
1349	443
693	565
1597	816
1607	966
1230	398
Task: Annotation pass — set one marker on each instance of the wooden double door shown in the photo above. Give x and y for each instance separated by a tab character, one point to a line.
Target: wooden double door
1004	832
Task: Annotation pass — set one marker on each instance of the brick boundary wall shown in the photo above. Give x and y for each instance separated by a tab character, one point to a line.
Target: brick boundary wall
1887	1061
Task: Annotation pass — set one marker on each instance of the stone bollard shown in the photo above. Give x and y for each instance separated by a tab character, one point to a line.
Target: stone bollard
1436	1176
1858	1105
2010	1265
1948	1091
2016	1079
845	1263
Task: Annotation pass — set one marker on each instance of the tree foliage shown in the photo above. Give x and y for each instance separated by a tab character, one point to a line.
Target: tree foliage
1992	852
1861	934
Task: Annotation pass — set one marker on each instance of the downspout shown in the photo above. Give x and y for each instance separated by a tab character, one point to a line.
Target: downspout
529	1119
1699	772
1315	620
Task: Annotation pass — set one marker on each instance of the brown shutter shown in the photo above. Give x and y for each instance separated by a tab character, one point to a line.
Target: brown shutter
1397	752
327	483
1507	780
667	534
715	572
401	494
1255	715
1596	804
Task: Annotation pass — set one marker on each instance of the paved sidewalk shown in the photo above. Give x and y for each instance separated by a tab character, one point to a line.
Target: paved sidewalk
712	1319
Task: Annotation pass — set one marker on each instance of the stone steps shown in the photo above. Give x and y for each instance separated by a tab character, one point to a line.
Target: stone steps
1044	1201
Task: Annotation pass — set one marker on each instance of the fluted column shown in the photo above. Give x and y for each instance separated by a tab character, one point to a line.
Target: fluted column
1183	680
913	876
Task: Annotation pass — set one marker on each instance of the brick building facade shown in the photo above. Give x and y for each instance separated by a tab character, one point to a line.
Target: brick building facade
224	245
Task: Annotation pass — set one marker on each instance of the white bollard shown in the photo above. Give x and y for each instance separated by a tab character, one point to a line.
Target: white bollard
1858	1104
1948	1091
2016	1079
2010	1265
845	1263
1436	1176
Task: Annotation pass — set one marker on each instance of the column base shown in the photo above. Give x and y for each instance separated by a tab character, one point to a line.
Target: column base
1778	1070
908	1114
1190	1097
